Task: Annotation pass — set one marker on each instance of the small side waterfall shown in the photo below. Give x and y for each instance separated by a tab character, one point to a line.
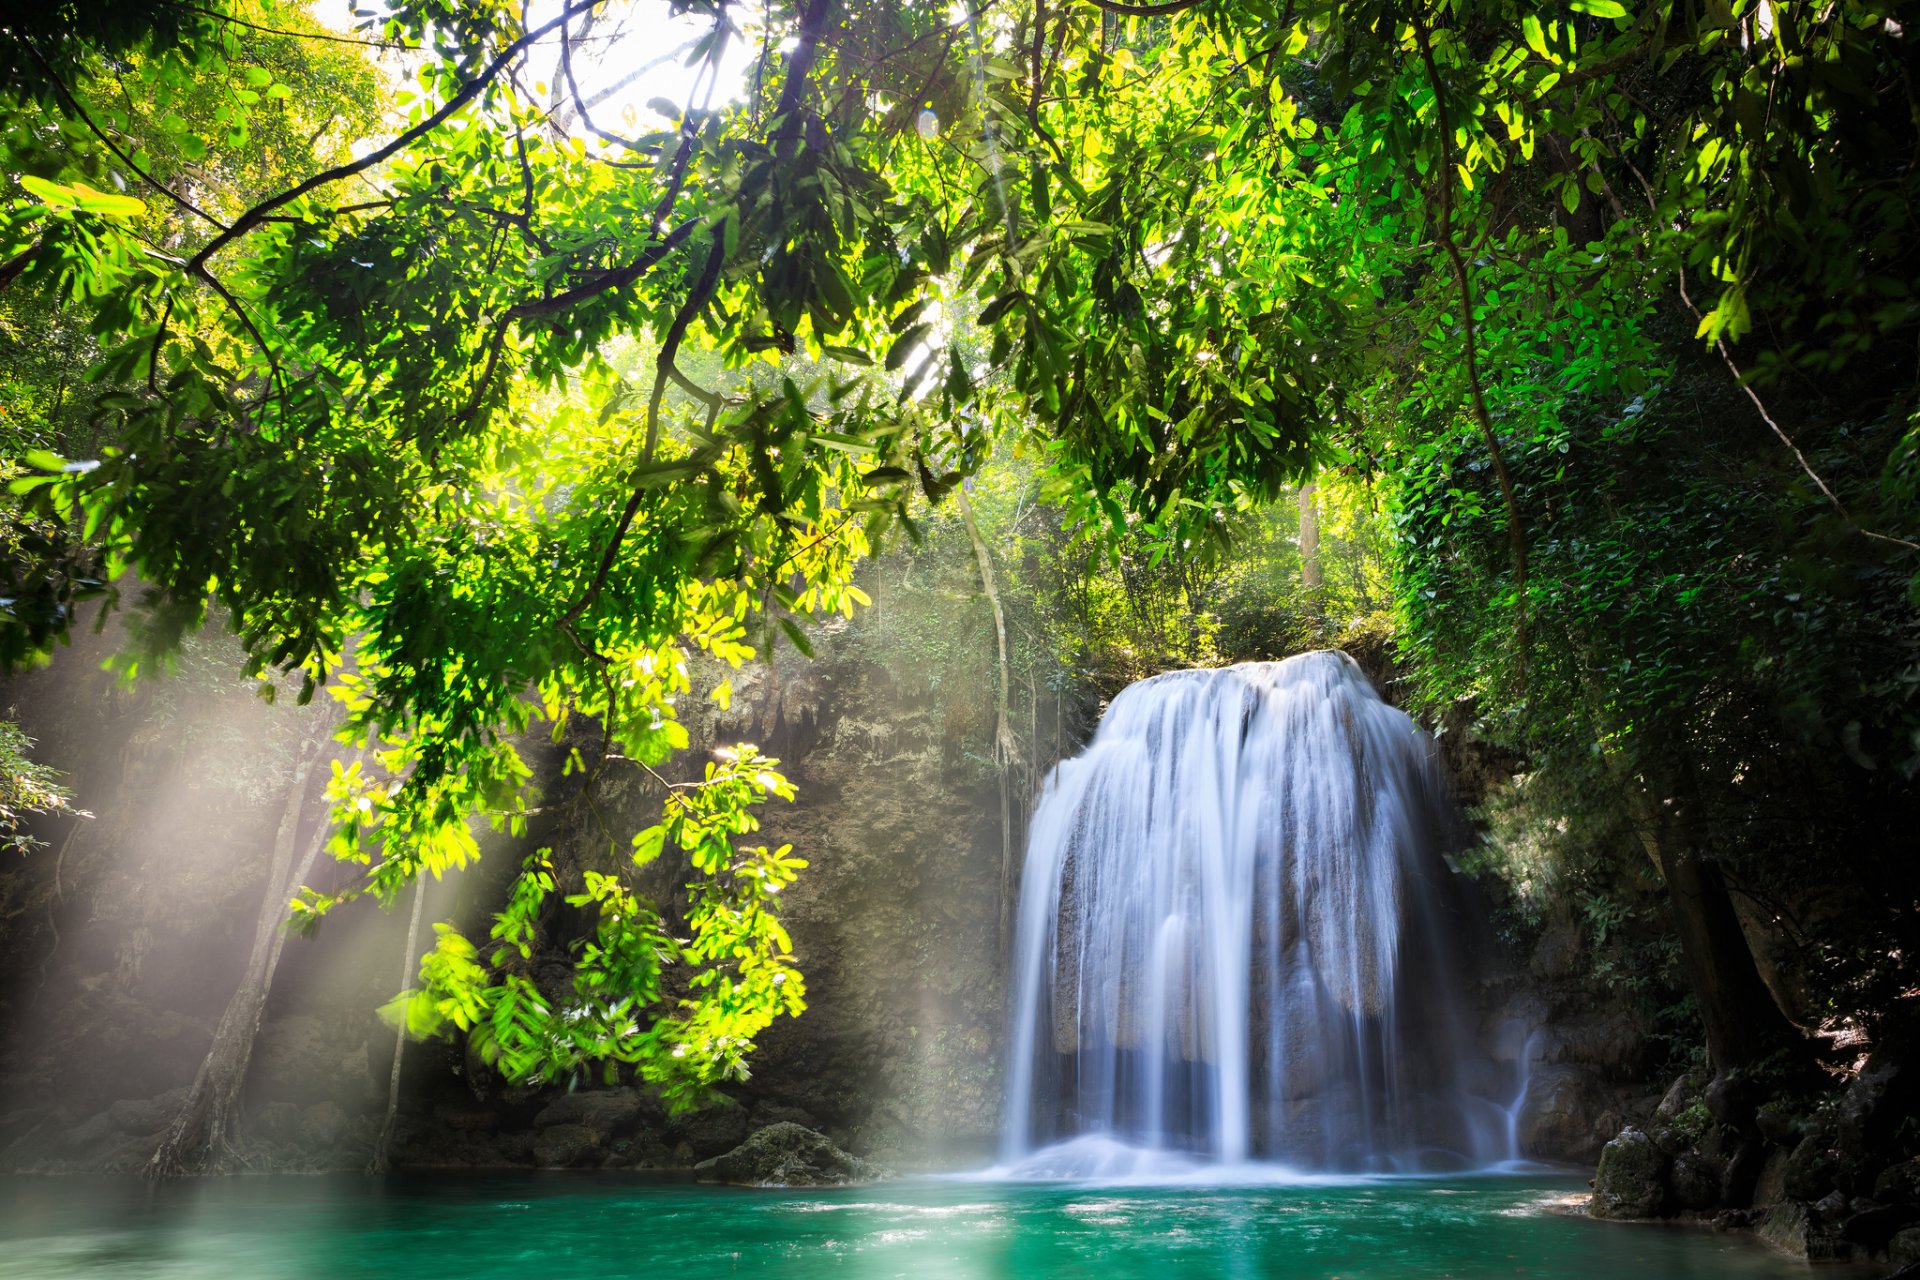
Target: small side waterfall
1237	937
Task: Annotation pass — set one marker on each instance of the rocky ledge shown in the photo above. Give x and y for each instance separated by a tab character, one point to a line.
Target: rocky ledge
788	1155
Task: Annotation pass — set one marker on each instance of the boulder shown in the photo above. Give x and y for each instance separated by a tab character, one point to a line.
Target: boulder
1816	1167
567	1146
1632	1179
1904	1249
1899	1184
787	1155
1561	1118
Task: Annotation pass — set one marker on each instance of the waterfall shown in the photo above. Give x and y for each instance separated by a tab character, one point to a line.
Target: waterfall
1237	940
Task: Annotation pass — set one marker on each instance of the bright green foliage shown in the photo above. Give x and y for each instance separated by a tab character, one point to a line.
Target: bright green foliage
735	962
27	789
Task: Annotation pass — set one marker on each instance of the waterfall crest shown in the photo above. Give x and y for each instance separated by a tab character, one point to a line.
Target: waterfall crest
1236	939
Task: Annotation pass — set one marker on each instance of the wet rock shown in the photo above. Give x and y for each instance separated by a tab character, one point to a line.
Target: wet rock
787	1155
567	1146
768	1113
1631	1181
1903	1250
1771	1188
1831	1207
1784	1226
1610	1038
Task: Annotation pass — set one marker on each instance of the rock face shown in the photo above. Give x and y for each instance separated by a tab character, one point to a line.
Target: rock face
788	1155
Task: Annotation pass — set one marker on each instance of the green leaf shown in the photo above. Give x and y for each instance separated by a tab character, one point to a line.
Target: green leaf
647	845
1599	8
1535	35
81	198
905	345
799	637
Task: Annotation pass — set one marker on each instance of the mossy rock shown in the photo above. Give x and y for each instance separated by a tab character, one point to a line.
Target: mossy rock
788	1155
1632	1179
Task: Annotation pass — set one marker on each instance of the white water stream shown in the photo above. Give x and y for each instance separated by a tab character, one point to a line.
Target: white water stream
1237	941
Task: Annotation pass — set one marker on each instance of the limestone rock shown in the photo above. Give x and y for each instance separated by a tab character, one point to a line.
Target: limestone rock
1631	1181
1784	1226
787	1155
1561	1118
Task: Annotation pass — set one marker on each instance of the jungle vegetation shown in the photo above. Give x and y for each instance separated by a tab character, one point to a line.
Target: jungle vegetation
480	409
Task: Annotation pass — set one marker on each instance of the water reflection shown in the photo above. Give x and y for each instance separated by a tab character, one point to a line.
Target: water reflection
483	1227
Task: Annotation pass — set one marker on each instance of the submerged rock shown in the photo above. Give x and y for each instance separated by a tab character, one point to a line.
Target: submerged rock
1632	1179
788	1155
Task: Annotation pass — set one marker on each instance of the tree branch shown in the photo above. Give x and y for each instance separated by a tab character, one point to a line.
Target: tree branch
468	92
1516	536
616	278
1142	10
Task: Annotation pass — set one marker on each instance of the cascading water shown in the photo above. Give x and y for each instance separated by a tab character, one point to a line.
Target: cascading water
1237	940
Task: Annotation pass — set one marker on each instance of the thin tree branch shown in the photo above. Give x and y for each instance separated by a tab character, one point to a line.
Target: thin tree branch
1720	345
467	93
617	278
73	103
1516	536
330	37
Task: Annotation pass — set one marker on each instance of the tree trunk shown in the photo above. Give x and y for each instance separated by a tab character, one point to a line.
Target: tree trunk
383	1146
1751	1045
201	1134
1744	1025
1310	575
1005	749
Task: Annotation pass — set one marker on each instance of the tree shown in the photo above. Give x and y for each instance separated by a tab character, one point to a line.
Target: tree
1205	246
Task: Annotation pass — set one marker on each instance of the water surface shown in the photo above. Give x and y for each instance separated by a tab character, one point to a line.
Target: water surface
488	1226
